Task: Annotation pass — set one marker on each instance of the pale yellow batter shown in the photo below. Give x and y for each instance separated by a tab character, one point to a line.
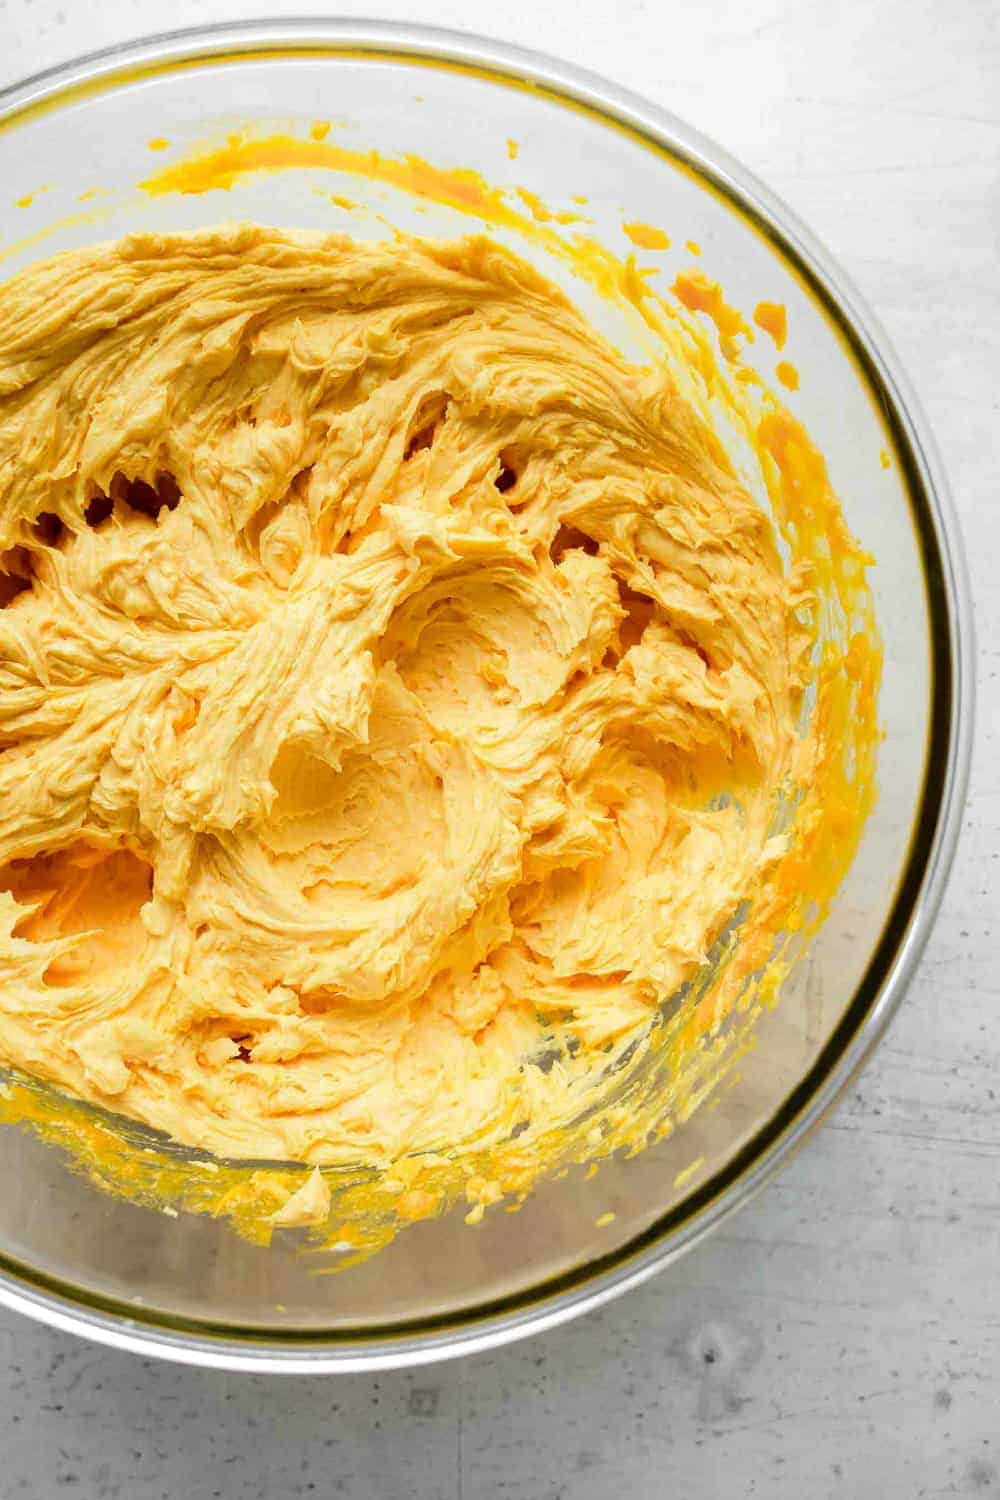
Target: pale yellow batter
397	691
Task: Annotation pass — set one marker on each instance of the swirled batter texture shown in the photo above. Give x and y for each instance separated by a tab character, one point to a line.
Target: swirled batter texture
397	691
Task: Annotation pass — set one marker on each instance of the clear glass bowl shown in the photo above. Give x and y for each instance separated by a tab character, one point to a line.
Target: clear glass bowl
74	145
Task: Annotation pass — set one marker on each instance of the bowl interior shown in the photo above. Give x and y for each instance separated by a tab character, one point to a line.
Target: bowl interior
74	170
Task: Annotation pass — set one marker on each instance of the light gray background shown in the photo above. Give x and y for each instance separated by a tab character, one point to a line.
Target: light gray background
842	1337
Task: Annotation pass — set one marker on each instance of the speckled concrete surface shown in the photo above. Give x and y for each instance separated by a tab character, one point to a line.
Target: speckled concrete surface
843	1338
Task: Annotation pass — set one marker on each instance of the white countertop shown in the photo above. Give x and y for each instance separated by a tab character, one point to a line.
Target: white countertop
842	1336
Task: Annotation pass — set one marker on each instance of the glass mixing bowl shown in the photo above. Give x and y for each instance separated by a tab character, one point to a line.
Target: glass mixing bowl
74	145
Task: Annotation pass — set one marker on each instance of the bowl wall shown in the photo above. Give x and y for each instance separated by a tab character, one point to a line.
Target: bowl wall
189	1286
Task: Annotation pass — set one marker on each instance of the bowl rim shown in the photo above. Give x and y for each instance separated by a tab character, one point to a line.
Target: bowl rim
127	1326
